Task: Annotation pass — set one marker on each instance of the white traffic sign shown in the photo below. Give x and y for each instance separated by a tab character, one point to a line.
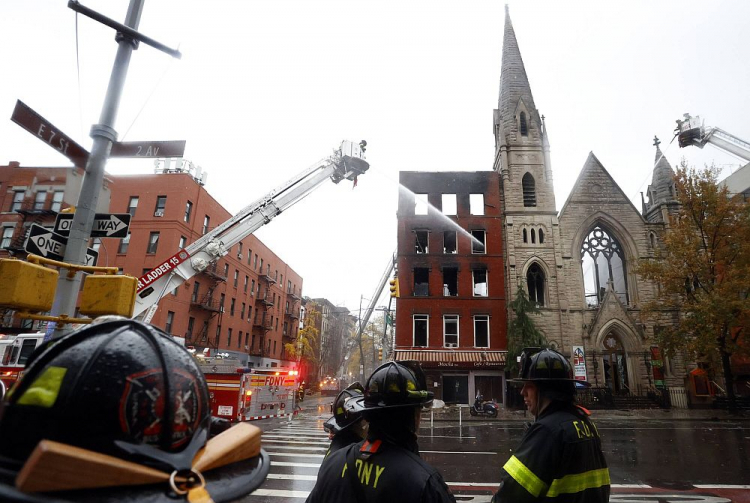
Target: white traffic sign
106	225
47	244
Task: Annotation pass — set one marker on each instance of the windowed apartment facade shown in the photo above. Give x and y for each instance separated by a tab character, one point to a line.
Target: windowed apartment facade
451	313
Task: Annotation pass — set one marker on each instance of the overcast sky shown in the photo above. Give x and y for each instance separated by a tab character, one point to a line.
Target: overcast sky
267	88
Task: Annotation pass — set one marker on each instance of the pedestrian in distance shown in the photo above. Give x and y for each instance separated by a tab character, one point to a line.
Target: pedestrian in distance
385	467
560	457
346	427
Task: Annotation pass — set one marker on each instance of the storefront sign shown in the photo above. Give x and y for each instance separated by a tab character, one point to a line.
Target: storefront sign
579	363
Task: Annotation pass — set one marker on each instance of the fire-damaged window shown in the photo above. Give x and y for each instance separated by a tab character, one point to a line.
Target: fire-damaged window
478	243
480	282
450	207
481	331
421	241
421	330
421	282
450	282
449	242
420	204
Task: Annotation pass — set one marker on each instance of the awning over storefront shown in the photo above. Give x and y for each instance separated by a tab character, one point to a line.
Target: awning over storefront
456	359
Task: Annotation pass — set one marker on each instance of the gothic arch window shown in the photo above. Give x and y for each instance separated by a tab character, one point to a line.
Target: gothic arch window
614	364
535	284
529	190
652	238
602	260
523	126
533	236
541	236
525	236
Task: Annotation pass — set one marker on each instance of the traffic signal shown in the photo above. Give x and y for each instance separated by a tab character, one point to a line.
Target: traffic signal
394	287
380	354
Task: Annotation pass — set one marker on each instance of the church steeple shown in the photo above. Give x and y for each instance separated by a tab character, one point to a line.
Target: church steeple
515	92
661	191
521	145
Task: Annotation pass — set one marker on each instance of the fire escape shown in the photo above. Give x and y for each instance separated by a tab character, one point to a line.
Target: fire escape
212	306
263	325
291	313
31	212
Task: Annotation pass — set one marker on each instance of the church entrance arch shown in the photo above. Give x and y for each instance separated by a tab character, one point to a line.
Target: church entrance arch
615	364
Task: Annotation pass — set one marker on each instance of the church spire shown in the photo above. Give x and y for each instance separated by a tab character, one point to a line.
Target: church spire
514	84
661	191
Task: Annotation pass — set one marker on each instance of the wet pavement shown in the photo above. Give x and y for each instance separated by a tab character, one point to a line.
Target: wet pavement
653	455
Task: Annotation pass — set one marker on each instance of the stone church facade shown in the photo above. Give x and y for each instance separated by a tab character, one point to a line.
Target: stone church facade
578	264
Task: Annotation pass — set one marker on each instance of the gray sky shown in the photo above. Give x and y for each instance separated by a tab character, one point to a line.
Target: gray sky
267	88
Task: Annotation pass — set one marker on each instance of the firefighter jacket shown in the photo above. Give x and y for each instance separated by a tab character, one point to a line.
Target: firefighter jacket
559	460
342	439
378	471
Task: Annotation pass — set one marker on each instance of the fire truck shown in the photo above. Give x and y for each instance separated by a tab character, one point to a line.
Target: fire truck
242	394
15	352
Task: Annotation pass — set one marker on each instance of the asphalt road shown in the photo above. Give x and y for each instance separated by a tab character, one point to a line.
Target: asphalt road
649	460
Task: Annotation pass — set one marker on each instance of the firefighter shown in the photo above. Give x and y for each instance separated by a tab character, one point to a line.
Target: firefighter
560	457
386	466
346	427
126	390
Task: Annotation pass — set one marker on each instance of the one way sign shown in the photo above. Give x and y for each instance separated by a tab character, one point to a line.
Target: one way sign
46	243
106	225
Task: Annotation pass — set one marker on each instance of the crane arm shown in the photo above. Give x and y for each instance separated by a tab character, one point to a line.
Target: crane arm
346	163
376	296
691	131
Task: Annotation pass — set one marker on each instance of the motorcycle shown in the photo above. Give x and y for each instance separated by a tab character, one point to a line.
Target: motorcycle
482	408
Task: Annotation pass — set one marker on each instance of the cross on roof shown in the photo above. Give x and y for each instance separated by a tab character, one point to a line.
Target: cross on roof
656	141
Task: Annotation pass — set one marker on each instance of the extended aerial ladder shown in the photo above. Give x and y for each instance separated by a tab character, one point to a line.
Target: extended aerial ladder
692	131
346	163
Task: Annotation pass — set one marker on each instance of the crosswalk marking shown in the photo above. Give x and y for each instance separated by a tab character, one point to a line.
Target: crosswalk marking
282	493
297	454
298	465
304	442
291	476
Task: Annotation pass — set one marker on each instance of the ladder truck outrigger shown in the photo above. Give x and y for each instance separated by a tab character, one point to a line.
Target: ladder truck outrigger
691	131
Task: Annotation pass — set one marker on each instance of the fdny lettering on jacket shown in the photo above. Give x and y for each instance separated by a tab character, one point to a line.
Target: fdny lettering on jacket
367	472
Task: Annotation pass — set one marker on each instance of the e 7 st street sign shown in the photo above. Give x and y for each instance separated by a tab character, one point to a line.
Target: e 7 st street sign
106	225
47	244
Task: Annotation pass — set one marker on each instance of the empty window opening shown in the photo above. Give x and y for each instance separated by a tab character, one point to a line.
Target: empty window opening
450	282
480	282
449	242
525	236
449	204
421	241
421	330
541	236
524	126
535	284
482	331
420	204
450	331
421	282
529	190
476	204
478	241
533	236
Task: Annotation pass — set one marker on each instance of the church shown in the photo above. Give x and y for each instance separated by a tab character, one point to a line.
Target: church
577	264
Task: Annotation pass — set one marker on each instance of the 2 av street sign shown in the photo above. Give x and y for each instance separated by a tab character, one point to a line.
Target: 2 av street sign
106	225
47	244
148	149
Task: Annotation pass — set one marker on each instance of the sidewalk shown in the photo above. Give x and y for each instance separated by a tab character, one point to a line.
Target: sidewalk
451	413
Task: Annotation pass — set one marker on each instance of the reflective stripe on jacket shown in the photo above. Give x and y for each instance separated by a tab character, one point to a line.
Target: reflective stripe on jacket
560	459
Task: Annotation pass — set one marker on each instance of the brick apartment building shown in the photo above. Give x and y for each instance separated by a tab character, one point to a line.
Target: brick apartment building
246	305
451	313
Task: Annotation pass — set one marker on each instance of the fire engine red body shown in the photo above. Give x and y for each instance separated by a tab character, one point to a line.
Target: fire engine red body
245	396
15	351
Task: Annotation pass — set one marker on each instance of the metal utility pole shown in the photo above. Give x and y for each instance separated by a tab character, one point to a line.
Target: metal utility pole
104	136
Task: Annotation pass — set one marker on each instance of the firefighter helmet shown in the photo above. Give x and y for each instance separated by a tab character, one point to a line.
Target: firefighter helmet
343	417
550	371
395	384
122	388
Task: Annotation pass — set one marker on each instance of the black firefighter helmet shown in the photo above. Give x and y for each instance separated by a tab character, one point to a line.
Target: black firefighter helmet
343	418
392	385
550	371
121	388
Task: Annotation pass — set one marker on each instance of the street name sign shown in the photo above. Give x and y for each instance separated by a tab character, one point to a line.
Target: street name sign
47	244
44	130
148	149
106	225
